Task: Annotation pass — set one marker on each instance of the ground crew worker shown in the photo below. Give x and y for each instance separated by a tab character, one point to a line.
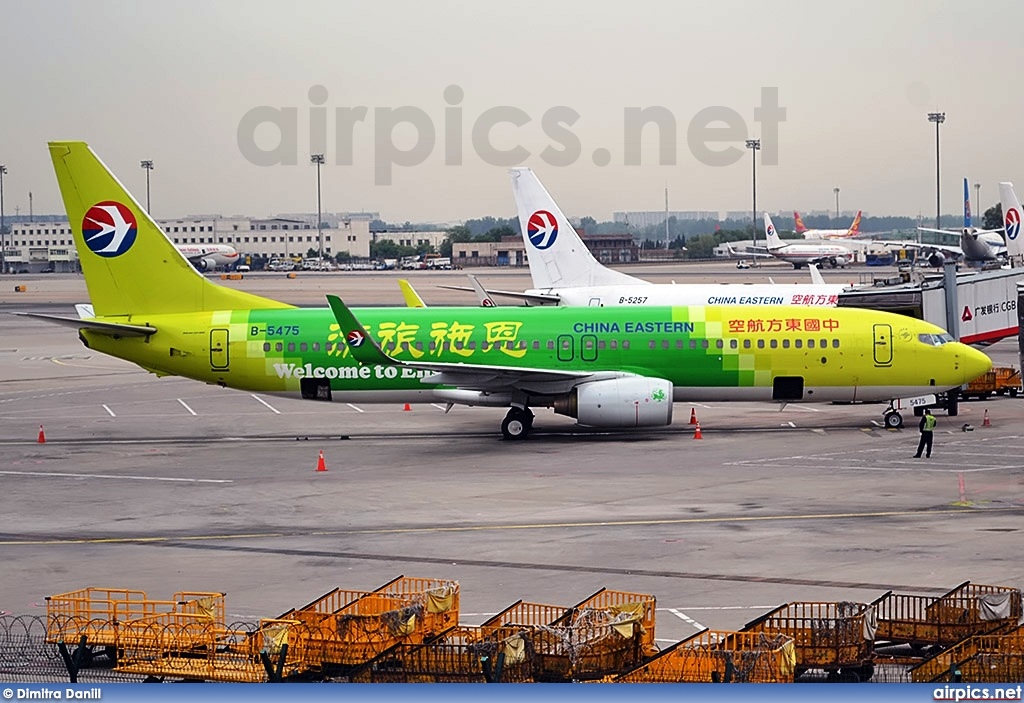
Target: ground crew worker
927	428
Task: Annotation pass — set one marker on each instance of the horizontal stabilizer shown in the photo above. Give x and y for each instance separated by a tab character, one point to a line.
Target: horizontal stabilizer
114	329
539	298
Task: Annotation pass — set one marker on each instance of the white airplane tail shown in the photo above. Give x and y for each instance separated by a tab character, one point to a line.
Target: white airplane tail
1012	215
558	257
770	235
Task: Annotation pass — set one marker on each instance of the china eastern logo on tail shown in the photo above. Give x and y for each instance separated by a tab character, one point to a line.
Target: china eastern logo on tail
109	229
542	229
1012	223
770	229
355	338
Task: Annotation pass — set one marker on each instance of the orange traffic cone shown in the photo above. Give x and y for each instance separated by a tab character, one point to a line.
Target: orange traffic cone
407	408
42	435
984	423
693	416
320	465
696	432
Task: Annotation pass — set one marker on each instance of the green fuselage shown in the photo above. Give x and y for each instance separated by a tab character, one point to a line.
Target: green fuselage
706	352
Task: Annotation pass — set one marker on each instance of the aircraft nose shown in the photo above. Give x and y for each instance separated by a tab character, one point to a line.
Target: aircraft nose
975	363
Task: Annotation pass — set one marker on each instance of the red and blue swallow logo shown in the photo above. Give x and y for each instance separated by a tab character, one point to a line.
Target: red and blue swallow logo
109	229
542	229
1012	223
355	338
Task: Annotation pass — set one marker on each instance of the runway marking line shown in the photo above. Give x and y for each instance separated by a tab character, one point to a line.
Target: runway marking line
109	411
488	528
355	407
185	405
276	411
686	618
58	474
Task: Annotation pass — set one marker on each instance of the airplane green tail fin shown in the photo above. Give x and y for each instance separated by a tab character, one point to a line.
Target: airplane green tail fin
130	266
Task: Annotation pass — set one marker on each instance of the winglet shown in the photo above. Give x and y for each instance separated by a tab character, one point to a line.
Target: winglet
816	277
363	347
481	293
412	298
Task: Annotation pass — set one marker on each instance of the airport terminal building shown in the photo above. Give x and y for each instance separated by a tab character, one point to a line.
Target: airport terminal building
49	245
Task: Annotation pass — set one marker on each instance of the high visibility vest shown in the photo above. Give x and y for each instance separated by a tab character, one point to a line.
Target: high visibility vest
929	423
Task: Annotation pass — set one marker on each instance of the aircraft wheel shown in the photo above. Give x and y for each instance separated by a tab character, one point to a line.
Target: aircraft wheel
517	423
893	420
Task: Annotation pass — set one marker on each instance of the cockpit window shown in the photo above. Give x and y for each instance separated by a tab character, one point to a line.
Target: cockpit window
936	340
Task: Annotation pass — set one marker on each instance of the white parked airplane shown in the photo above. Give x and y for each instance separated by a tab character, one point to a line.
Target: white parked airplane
853	231
975	244
564	272
207	257
802	254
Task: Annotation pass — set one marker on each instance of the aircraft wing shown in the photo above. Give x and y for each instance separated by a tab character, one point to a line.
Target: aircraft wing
114	329
481	377
749	252
537	298
950	232
944	248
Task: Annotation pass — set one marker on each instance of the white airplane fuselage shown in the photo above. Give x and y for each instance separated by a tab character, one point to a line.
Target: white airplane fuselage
218	254
655	294
801	254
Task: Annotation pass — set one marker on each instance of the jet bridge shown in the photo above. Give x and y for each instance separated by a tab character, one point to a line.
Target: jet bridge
982	311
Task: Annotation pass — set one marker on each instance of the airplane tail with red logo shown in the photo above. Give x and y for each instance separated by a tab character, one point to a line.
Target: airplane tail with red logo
771	236
855	227
557	256
798	223
1012	215
131	268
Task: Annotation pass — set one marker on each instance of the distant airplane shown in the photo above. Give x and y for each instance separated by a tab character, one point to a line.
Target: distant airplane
207	257
564	272
853	231
605	367
975	244
802	254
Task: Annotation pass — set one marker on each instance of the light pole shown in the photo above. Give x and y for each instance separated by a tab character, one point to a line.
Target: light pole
938	118
3	224
148	165
977	200
318	159
754	145
836	191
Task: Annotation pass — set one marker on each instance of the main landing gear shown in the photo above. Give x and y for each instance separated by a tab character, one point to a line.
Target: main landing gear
517	423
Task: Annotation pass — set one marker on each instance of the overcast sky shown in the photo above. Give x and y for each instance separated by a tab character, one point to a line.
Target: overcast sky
172	82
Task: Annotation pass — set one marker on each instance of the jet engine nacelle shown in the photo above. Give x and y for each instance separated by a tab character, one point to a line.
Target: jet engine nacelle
840	261
206	264
619	402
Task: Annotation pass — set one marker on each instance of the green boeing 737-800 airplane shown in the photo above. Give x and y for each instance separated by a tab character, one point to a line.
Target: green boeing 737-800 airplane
605	366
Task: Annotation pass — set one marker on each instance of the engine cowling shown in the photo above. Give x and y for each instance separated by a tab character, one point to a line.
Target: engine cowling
635	401
207	265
